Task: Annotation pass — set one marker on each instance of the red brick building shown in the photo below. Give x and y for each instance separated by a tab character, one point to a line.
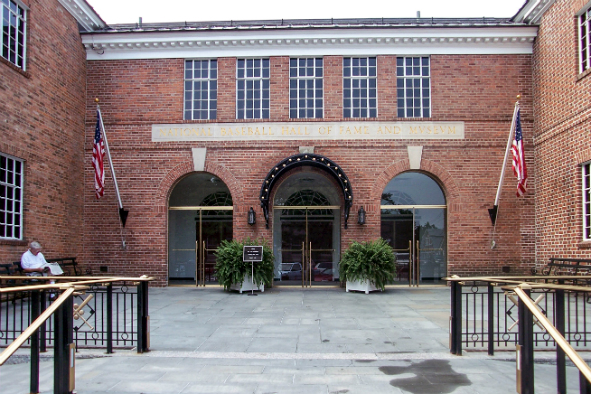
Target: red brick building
312	124
562	121
42	112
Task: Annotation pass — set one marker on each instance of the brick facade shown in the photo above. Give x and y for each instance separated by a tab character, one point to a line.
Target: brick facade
42	122
562	114
54	134
479	90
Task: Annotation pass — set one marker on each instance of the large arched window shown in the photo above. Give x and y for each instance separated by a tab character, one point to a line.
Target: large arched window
413	213
199	218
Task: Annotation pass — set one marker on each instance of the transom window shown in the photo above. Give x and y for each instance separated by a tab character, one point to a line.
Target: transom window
201	89
587	201
413	87
252	89
360	87
305	88
11	197
13	32
585	40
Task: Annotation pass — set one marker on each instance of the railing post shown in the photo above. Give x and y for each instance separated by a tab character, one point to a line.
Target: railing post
560	326
456	319
63	357
43	328
109	318
35	312
491	320
584	385
143	324
526	341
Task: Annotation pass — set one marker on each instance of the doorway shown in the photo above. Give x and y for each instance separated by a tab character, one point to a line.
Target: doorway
306	236
413	222
200	218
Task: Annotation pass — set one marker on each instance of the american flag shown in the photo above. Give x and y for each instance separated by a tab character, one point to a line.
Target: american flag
98	154
519	168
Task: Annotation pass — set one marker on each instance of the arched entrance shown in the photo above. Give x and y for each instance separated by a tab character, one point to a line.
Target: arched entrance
306	230
413	222
199	219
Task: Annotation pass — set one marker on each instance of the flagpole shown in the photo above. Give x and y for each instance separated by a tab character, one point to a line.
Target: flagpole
509	143
493	212
109	155
122	212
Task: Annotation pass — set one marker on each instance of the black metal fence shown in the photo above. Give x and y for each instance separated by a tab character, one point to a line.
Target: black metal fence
105	316
485	316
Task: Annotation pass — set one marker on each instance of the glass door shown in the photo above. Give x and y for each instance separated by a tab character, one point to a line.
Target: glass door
307	254
398	231
417	236
213	225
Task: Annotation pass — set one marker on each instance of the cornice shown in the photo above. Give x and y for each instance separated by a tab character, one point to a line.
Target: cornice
319	42
532	11
85	15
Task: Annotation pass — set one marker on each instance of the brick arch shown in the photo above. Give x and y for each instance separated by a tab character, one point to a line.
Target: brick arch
174	175
445	180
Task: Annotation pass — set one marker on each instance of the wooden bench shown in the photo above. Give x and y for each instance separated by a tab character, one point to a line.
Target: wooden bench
565	266
7	270
69	265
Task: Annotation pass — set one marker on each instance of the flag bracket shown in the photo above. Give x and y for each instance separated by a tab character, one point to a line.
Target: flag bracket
492	212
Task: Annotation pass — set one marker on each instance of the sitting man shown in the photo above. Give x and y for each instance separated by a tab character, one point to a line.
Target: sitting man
33	262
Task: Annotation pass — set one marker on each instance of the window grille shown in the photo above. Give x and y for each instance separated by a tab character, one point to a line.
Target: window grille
201	86
306	88
360	87
585	40
413	87
11	197
13	32
587	201
252	89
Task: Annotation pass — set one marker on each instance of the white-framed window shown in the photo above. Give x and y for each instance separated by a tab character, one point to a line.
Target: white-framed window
413	87
584	19
14	21
306	90
252	89
360	87
11	197
201	89
587	201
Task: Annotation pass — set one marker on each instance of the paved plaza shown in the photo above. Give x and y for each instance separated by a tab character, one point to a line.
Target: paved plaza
290	340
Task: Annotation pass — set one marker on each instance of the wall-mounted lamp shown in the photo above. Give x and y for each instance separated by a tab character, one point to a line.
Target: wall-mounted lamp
361	216
251	216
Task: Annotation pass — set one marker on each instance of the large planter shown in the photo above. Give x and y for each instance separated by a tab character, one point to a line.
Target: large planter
363	285
247	286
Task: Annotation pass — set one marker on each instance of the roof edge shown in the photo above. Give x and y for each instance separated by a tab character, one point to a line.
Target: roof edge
532	11
88	19
335	23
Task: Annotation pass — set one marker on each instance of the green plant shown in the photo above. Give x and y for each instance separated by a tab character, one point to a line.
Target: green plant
372	260
231	269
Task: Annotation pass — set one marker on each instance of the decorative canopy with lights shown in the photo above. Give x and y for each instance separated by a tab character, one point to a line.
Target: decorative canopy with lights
305	159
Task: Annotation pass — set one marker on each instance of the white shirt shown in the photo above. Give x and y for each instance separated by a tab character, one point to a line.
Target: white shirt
29	260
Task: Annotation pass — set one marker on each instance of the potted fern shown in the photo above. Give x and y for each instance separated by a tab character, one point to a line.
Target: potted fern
234	274
368	266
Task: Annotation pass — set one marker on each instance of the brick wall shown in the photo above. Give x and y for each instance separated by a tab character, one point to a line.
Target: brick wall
562	115
42	123
479	90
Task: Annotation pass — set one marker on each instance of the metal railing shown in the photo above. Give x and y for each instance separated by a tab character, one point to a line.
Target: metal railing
524	313
105	316
28	314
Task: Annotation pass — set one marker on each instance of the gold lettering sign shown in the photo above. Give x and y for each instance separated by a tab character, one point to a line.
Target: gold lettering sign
306	131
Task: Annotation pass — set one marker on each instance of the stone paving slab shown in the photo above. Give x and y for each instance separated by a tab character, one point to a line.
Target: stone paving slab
288	340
